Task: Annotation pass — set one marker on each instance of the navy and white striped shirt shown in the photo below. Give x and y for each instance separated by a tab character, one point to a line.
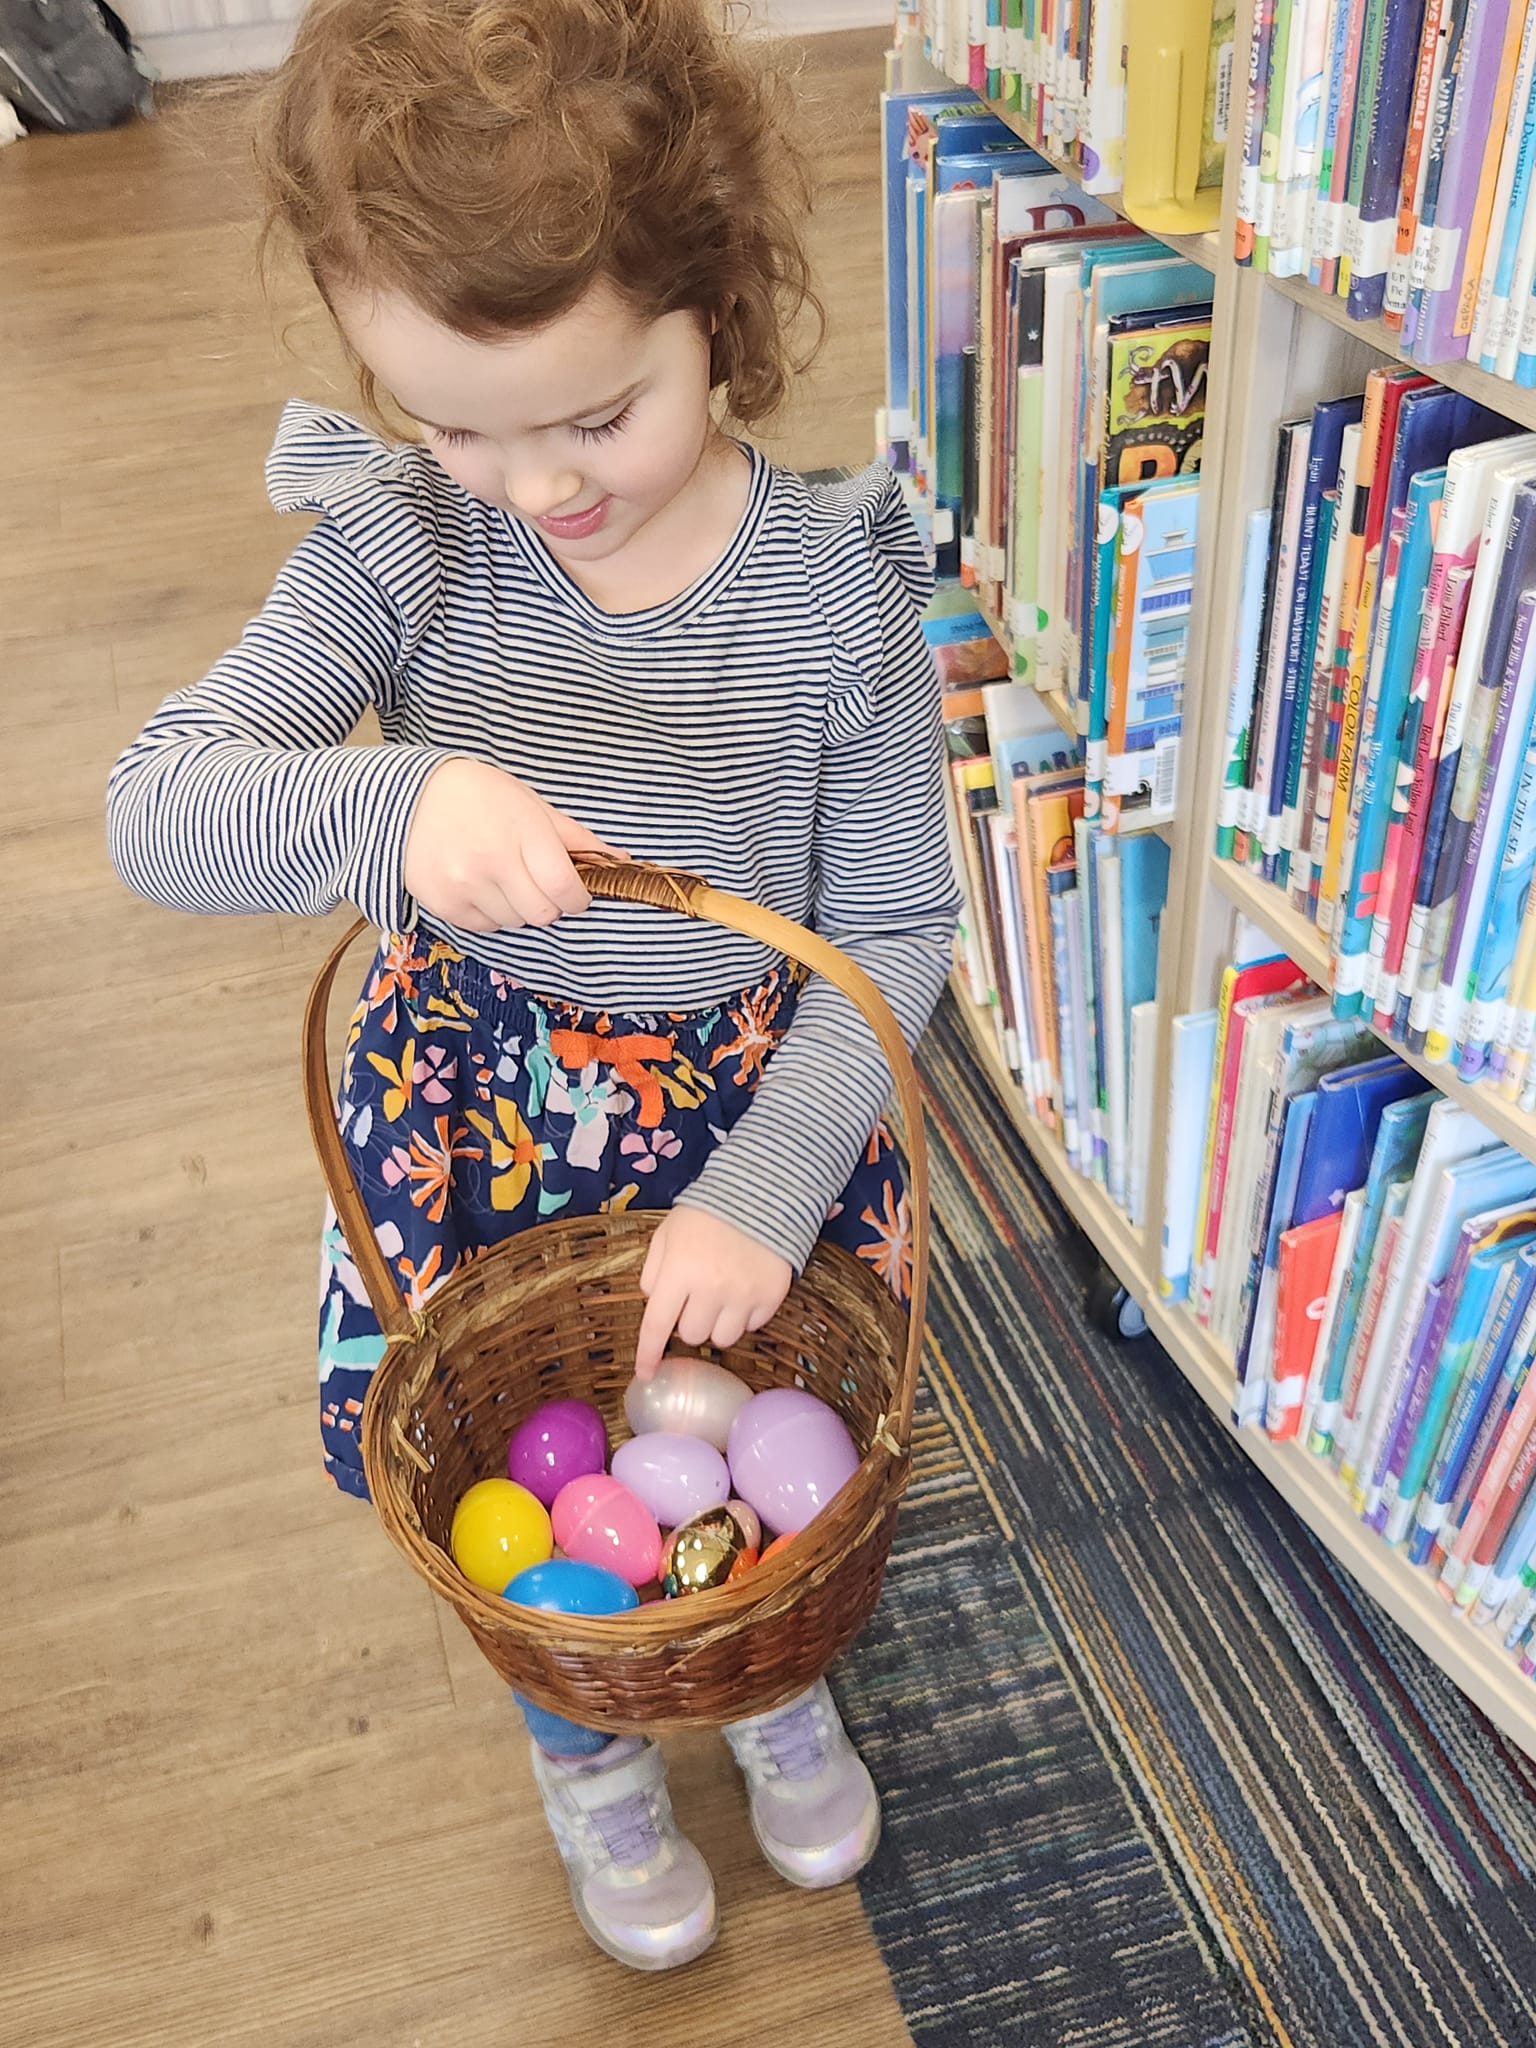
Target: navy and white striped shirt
774	728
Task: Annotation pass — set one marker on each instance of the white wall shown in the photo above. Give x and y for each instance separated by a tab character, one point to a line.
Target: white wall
211	38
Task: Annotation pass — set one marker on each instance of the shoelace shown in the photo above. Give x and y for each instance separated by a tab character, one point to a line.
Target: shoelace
627	1829
793	1742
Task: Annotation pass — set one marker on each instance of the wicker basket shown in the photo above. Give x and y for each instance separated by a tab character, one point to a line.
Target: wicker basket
556	1310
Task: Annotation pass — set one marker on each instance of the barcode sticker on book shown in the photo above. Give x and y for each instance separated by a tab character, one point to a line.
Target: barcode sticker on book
1165	775
1222	113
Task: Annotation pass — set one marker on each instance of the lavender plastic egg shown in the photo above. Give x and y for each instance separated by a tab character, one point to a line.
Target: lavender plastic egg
790	1453
688	1397
677	1477
559	1442
597	1520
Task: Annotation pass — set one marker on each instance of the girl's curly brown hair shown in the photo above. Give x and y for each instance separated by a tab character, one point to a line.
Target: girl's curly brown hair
492	160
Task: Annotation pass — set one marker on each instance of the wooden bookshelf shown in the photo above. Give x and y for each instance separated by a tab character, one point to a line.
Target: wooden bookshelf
1279	347
1473	1659
1295	935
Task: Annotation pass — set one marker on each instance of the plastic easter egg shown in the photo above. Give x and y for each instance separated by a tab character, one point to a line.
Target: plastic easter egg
789	1455
564	1585
561	1441
599	1521
677	1477
498	1527
750	1521
708	1551
779	1543
687	1397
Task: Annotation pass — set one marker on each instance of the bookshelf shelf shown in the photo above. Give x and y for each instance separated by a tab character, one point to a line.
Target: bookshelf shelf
1500	394
1270	910
1473	1659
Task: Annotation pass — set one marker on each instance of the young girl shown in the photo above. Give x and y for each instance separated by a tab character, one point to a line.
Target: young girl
554	232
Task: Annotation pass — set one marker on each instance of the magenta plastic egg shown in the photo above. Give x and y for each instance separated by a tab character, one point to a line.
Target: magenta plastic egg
597	1520
559	1442
677	1477
688	1397
750	1522
790	1453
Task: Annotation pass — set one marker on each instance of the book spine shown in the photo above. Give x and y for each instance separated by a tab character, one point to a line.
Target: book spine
1419	757
1400	264
1376	19
1245	658
1435	338
1491	312
1253	129
1458	979
1385	149
1512	72
1441	109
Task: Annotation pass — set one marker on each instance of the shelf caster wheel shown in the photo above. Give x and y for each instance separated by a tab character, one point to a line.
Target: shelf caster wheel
1112	1309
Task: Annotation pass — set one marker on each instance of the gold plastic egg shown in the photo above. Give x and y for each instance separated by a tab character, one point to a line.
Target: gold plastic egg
705	1552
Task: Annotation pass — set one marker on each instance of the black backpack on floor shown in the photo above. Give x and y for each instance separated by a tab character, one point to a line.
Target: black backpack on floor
68	64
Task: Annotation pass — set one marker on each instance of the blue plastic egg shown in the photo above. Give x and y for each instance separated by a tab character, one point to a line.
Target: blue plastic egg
564	1585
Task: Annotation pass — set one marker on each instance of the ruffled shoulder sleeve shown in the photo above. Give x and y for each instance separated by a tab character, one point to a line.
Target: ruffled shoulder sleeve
871	577
378	496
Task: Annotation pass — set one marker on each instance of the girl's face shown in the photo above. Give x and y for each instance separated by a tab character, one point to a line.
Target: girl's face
586	429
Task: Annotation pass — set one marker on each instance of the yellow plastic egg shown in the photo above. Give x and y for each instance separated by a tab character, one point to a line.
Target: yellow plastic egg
499	1529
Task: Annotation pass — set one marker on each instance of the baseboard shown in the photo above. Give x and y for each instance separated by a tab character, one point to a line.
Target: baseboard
217	52
258	46
821	17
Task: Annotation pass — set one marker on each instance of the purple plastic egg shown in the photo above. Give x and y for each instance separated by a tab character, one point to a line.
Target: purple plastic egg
790	1453
677	1477
559	1442
597	1520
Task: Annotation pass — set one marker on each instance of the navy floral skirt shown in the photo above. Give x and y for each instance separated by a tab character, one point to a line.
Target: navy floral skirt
473	1109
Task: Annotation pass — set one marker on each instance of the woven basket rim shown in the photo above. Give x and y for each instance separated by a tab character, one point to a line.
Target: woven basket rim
881	1478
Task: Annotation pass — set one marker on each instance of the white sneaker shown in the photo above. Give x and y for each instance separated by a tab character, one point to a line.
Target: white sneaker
640	1888
815	1810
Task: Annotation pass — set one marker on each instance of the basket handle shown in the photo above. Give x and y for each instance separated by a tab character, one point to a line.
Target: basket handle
691	896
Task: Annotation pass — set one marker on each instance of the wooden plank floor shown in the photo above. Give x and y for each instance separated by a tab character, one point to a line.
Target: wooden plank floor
254	1786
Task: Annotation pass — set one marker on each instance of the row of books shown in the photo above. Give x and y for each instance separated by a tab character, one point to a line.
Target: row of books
1058	68
1046	392
1366	1250
1059	936
1388	153
1381	743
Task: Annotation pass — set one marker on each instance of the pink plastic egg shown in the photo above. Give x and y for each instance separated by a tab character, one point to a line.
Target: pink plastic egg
749	1521
597	1520
677	1477
558	1442
790	1453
